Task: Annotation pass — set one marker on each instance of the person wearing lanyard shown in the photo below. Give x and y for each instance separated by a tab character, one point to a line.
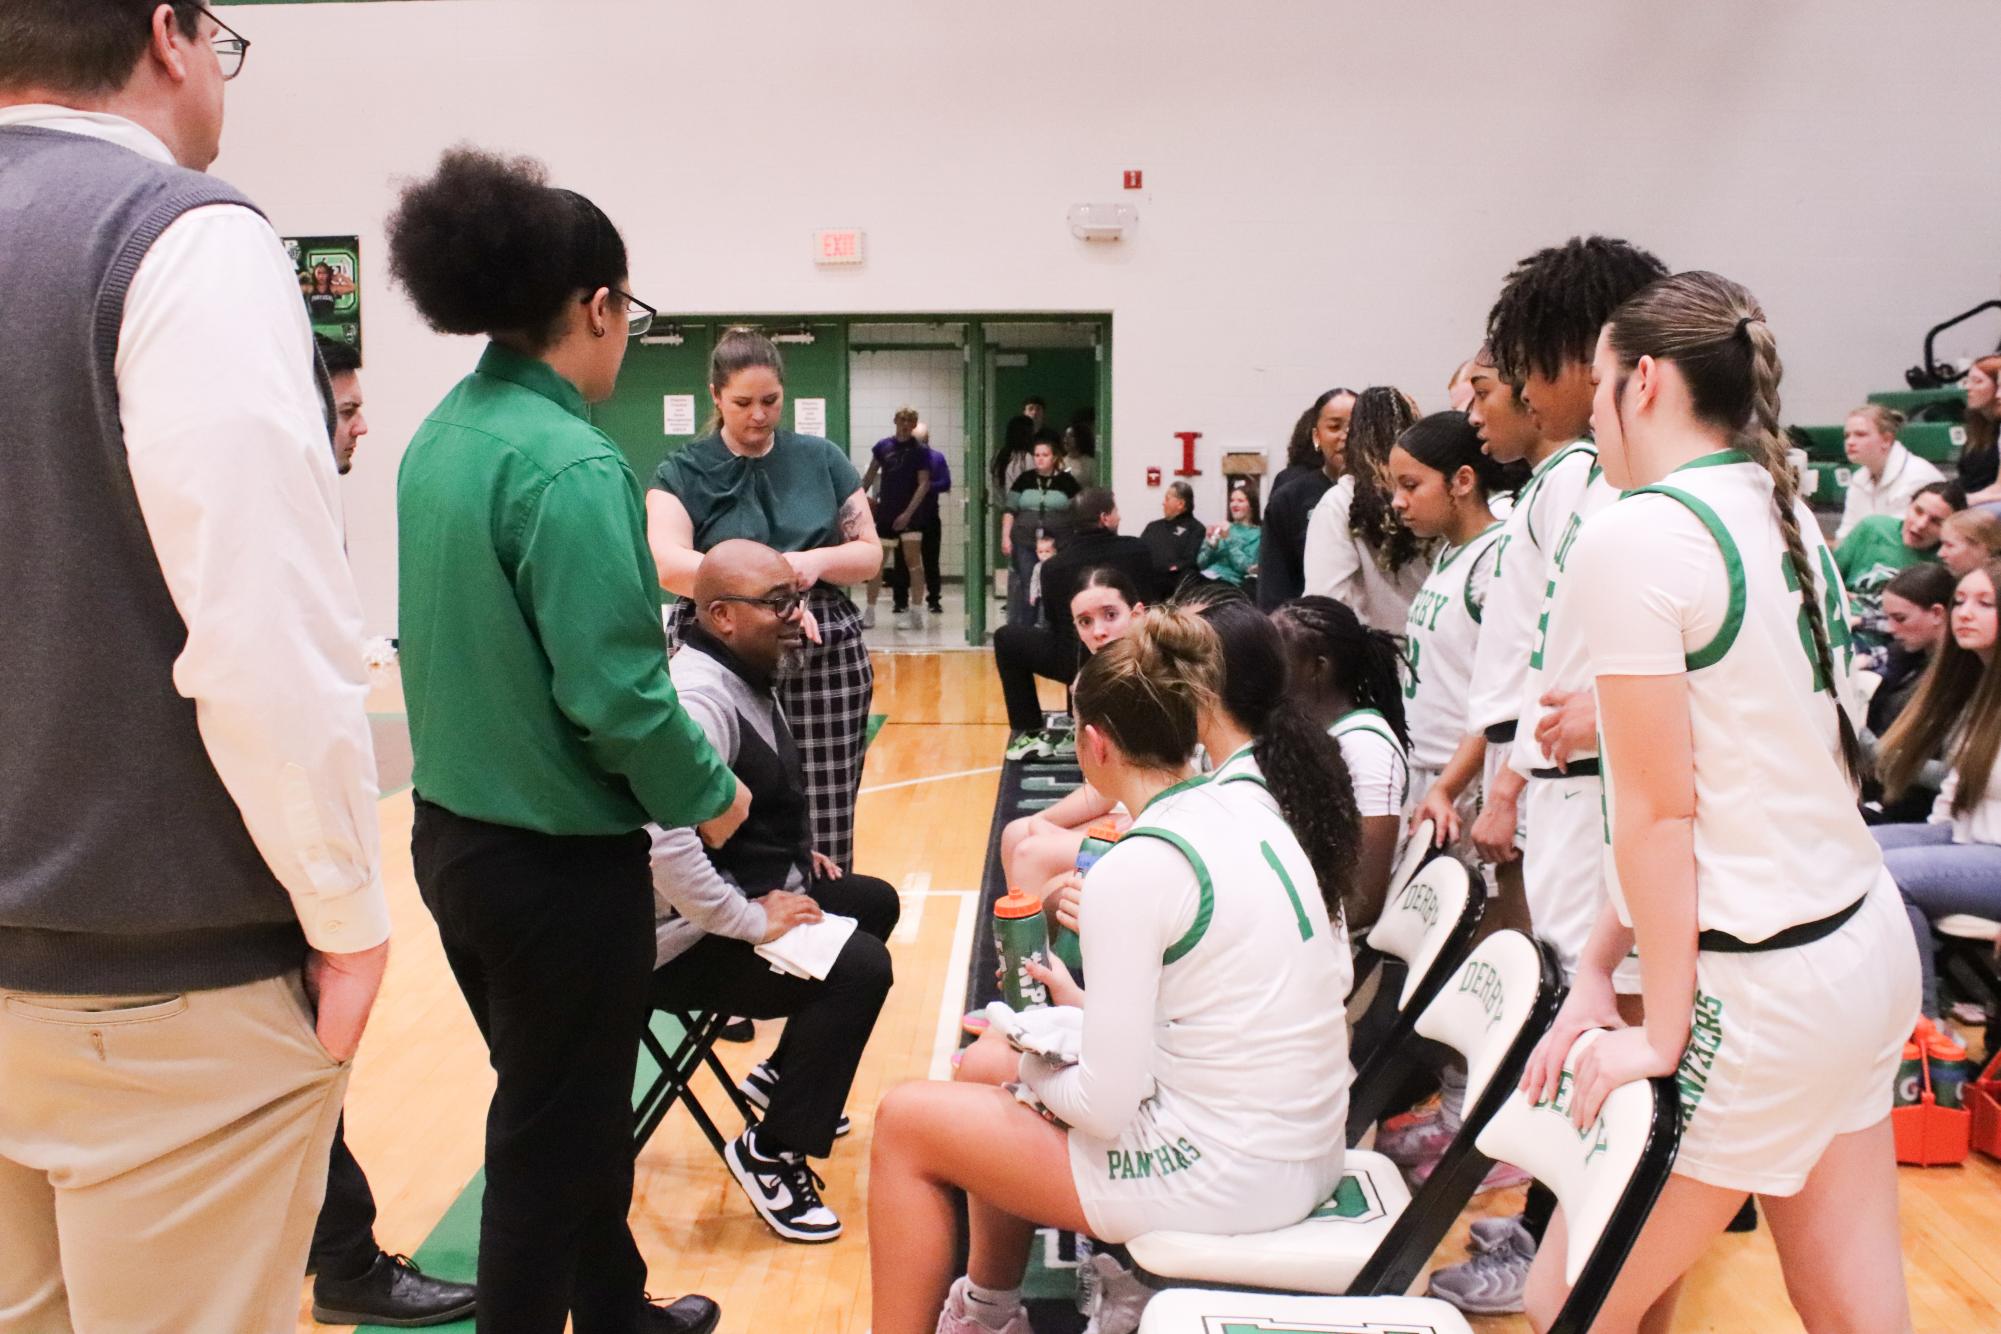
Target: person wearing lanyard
545	728
799	495
1038	502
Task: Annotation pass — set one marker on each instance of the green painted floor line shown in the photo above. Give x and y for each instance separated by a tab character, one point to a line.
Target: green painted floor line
875	722
451	1251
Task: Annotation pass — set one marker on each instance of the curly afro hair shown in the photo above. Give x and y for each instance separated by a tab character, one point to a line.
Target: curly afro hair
486	246
1554	303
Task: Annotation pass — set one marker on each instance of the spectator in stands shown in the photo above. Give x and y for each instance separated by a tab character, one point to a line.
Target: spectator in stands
1041	844
1357	550
1952	864
1886	474
1040	501
715	905
1230	552
1459	389
931	529
1916	606
1035	410
1968	540
1150	1127
1978	459
1315	459
1345	675
1883	544
903	506
1174	540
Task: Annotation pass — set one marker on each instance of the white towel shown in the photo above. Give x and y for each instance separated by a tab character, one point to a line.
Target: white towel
809	949
1053	1032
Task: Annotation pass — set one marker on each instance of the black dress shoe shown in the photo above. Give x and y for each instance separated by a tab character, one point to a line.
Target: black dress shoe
738	1029
393	1292
692	1314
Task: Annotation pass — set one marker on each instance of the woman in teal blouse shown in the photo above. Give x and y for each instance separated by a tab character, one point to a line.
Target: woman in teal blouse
546	731
1231	552
799	495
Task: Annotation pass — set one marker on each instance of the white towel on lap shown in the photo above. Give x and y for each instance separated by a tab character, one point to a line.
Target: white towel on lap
809	949
1053	1032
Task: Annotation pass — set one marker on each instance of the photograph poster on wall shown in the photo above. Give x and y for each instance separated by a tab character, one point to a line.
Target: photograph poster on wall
329	269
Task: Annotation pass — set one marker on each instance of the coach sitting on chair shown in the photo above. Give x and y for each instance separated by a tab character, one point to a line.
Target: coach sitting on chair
715	905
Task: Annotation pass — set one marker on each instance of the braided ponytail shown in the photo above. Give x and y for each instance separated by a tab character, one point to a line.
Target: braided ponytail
1364	661
1764	440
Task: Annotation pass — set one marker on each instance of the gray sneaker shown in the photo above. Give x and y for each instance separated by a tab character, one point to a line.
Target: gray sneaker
1116	1298
1492	1282
1489	1233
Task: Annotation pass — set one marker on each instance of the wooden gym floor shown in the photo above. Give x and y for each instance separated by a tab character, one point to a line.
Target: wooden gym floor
416	1107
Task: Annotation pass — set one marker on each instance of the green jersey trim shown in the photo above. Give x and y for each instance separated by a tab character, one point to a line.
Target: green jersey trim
1733	564
1720	458
1527	497
1473	608
1204	910
1194	780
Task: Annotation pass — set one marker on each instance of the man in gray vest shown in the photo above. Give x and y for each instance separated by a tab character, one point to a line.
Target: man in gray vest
192	922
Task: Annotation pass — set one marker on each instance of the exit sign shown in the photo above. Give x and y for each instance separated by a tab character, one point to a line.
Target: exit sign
841	245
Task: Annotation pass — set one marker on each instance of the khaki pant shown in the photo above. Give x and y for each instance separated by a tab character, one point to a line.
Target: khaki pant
162	1159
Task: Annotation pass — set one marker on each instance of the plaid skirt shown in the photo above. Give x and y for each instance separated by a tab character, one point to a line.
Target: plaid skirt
825	690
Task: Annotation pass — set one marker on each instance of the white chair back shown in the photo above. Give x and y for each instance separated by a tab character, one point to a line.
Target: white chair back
1416	848
1486	1005
1589	1172
1417	923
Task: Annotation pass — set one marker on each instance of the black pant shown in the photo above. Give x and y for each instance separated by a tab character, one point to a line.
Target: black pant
933	534
344	1244
551	940
1024	652
829	1020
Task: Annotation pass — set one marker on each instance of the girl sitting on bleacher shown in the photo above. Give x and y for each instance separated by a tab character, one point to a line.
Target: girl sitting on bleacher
1951	864
1916	608
1043	844
1210	1089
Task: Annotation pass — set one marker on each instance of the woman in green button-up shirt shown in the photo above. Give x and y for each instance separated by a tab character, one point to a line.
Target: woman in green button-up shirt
799	495
545	728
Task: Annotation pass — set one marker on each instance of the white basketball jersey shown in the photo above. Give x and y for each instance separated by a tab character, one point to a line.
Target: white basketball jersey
1520	563
1690	576
1251	1032
1378	765
1441	632
1559	659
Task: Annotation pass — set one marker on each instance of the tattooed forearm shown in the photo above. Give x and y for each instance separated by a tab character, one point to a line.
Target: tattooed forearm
854	517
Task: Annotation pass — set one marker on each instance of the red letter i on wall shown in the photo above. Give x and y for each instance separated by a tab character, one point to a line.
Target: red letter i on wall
1188	468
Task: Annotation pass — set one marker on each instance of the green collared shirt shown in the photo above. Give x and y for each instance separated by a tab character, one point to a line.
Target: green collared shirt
534	666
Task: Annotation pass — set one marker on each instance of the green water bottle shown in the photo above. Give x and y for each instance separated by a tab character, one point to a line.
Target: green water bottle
1019	937
1948	1062
1098	840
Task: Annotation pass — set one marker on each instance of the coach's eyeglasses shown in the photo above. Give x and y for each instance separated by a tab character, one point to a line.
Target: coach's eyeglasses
781	605
230	49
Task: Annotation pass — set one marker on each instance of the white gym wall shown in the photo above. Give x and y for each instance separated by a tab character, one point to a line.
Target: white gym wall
1333	190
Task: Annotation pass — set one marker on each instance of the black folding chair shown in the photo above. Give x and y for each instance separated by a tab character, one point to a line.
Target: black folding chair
677	1069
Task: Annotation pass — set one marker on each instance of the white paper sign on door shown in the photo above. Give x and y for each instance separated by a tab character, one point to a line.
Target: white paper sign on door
809	416
680	413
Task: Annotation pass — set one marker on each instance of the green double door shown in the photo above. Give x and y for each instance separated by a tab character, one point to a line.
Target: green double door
662	401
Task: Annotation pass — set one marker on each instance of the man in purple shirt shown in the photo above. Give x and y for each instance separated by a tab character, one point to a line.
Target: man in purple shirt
904	504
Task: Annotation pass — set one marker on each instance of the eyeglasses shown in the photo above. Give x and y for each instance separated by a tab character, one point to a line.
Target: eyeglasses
639	316
230	49
781	605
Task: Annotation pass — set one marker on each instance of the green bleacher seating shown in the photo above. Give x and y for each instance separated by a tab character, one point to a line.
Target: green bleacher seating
1909	401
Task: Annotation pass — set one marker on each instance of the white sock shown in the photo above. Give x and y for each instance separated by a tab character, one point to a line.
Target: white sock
1452	1098
992	1307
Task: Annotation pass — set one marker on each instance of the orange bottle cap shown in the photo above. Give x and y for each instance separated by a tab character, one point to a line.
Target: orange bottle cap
1105	831
1943	1048
1016	903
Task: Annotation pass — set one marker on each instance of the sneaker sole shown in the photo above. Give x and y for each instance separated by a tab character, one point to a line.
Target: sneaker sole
327	1315
1476	1308
750	1193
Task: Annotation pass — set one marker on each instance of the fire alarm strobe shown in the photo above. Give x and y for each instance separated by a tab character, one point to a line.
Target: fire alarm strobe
1103	222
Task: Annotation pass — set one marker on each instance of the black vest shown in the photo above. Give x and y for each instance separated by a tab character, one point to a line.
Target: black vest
776	836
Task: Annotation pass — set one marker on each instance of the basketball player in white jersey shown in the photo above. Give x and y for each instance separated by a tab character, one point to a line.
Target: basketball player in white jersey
1778	968
1211	1093
1440	480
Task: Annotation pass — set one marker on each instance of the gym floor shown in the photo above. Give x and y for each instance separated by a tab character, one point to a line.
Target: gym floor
416	1107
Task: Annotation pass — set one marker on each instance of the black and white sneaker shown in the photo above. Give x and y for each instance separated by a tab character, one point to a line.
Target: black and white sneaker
762	1082
783	1189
